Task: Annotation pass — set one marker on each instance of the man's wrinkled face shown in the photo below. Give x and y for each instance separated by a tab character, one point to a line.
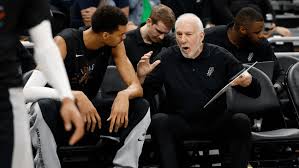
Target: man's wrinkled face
189	38
157	31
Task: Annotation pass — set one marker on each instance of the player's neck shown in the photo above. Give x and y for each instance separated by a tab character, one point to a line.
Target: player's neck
92	40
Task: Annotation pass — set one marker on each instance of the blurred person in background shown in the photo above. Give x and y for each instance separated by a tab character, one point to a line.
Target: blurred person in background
15	17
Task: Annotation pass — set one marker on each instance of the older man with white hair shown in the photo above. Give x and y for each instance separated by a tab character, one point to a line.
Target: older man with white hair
192	73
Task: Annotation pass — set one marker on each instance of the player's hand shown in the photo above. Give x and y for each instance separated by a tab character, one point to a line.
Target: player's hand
119	112
71	115
88	112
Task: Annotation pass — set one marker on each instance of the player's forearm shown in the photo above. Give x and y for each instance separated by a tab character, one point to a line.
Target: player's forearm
48	58
133	91
34	88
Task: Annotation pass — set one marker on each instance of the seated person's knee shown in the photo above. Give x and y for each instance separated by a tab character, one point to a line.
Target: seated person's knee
241	123
141	104
158	120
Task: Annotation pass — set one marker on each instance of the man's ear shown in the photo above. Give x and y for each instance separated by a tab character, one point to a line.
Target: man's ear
202	35
243	30
105	35
149	21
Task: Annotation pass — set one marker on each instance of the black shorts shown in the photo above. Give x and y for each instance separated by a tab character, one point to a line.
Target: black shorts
51	113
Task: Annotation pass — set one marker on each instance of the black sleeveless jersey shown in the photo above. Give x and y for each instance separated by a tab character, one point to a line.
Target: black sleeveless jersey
85	68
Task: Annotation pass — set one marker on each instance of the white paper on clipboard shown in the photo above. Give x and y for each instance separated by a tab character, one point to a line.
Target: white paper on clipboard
224	89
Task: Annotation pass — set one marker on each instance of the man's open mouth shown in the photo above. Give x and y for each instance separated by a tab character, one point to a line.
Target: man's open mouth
185	48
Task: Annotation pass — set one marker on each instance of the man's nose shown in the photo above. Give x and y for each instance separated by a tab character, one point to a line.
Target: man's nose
183	38
161	36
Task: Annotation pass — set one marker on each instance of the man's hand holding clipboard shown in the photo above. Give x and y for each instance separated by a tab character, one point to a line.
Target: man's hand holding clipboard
243	78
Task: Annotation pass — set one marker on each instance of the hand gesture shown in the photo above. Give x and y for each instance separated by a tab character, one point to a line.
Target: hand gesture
71	115
144	67
88	111
243	80
119	112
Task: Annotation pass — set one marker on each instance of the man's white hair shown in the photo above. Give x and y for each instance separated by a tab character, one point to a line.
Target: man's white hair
190	17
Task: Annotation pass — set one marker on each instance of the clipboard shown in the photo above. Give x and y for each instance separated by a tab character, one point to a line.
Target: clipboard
224	89
266	66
